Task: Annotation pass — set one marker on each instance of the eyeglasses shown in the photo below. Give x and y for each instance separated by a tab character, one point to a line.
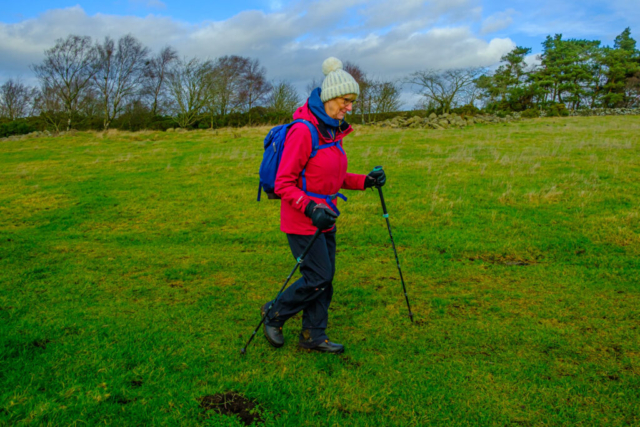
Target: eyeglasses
347	101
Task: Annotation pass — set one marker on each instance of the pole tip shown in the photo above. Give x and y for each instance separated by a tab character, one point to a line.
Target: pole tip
243	351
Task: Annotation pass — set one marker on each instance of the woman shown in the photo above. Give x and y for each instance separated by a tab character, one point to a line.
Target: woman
308	186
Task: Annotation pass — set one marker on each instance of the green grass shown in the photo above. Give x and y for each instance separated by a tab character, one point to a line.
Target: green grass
133	266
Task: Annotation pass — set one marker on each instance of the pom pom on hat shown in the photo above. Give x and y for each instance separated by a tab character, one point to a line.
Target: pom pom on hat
337	82
331	64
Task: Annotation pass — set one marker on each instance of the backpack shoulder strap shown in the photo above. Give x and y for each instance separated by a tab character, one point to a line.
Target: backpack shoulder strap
315	141
315	144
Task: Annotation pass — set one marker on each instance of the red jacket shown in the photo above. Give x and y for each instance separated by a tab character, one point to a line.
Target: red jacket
326	173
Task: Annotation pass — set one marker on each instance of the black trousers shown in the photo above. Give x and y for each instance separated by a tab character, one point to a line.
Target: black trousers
311	293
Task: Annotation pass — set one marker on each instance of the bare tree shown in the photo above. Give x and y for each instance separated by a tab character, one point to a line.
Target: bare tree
363	102
16	99
283	98
385	97
227	84
155	74
425	104
50	107
67	71
92	106
446	87
190	84
254	86
120	73
472	94
314	83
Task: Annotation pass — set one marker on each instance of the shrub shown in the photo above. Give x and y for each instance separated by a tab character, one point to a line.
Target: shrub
161	123
531	113
467	110
16	127
557	110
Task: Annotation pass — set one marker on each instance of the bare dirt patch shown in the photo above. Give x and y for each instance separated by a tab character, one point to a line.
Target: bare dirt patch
350	362
120	400
41	343
230	404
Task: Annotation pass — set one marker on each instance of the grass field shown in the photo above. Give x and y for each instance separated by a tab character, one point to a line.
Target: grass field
133	266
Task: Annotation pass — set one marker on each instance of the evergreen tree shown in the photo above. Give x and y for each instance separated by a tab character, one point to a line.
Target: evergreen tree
566	69
510	87
625	42
621	63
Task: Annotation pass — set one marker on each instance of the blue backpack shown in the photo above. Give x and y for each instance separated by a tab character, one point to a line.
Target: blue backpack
273	148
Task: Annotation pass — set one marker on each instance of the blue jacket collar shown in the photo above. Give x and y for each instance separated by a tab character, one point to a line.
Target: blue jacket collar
317	108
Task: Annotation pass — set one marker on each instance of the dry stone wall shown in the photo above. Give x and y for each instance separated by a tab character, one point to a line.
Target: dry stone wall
444	121
433	121
606	112
455	121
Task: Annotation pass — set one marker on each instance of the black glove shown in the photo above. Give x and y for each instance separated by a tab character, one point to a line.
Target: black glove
321	216
376	178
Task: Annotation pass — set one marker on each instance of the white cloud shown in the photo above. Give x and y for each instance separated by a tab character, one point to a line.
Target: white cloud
533	61
387	12
457	10
381	13
497	21
291	43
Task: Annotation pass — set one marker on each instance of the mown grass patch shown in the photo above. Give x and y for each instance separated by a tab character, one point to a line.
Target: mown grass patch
133	267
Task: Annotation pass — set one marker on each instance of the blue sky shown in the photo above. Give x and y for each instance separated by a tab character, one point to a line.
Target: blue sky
602	19
387	38
190	11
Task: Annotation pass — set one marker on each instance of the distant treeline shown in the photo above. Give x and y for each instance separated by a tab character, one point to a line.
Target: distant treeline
574	73
122	84
568	75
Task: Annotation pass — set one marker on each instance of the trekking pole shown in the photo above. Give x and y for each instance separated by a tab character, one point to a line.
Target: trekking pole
299	261
386	216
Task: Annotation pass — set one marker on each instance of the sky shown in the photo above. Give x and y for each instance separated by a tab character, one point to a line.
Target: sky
388	39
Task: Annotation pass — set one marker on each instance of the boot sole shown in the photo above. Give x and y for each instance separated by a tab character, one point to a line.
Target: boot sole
317	350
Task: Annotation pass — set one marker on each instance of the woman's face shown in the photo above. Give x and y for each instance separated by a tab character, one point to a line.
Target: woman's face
337	108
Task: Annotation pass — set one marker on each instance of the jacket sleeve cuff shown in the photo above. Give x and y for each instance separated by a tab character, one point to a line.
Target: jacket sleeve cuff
364	179
354	181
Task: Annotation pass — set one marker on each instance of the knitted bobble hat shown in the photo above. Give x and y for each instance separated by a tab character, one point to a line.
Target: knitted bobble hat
337	81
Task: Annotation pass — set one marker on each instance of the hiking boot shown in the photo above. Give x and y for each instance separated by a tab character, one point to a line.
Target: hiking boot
273	334
326	347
